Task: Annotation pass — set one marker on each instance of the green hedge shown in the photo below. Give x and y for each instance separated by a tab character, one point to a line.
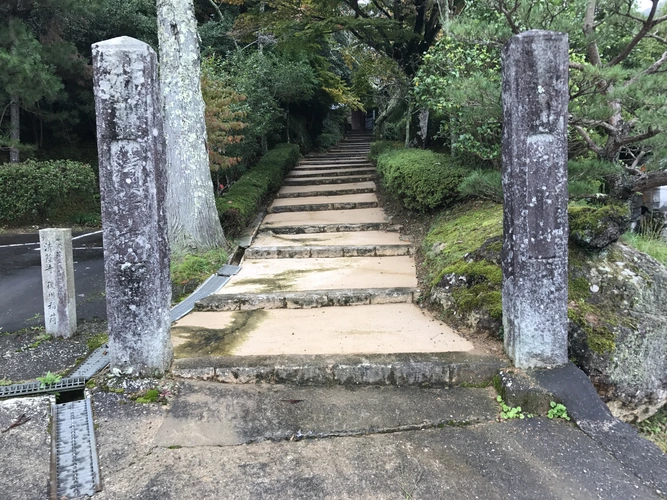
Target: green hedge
379	147
244	199
422	180
33	191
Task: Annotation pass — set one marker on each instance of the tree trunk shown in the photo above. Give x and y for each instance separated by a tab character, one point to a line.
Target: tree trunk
423	125
191	214
15	130
379	123
407	125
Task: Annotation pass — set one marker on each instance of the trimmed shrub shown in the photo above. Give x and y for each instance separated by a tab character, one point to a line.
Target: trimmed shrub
379	147
422	180
245	197
32	191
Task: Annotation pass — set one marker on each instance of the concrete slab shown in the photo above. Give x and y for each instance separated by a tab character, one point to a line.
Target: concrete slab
373	329
25	460
522	459
317	200
316	181
328	239
258	276
212	414
298	173
356	216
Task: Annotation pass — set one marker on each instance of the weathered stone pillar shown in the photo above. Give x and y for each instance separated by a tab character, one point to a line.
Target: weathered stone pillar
58	282
534	152
133	187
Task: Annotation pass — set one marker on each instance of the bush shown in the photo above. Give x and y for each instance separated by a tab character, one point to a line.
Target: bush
379	147
422	180
244	199
326	141
483	184
32	191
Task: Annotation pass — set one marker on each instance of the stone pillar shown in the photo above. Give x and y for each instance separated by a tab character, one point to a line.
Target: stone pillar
534	154
133	188
58	282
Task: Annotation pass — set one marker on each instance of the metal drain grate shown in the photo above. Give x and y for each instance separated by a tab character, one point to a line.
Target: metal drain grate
211	285
97	360
228	270
31	388
74	467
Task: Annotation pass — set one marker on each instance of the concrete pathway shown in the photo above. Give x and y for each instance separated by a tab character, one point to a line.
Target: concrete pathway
326	242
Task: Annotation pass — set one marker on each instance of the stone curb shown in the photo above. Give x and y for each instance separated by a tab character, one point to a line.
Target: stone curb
433	370
318	207
306	300
296	252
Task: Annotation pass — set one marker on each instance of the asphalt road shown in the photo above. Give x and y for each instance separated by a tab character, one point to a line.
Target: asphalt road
21	302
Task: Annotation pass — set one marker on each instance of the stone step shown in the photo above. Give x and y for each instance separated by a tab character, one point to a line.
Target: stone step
307	300
328	251
329	198
329	172
326	190
361	329
332	161
209	415
428	369
316	181
342	205
356	216
330	166
333	228
280	275
267	239
338	156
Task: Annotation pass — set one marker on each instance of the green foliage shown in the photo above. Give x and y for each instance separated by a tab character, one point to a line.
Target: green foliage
333	128
484	185
188	271
244	199
586	176
97	341
32	191
151	396
557	411
5	382
460	81
508	412
379	147
223	115
422	180
48	379
655	428
654	247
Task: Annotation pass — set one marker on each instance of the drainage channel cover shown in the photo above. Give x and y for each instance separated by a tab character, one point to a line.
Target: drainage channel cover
74	467
30	388
97	360
211	285
228	270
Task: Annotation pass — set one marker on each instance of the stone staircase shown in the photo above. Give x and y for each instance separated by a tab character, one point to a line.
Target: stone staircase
324	245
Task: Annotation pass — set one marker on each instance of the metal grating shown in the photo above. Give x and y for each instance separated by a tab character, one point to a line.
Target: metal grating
211	285
31	388
74	466
228	270
97	360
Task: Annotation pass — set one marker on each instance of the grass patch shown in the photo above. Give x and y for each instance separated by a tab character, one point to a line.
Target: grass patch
458	232
97	341
188	271
650	246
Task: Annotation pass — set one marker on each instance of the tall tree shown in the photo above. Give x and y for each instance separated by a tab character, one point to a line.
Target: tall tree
191	213
32	54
